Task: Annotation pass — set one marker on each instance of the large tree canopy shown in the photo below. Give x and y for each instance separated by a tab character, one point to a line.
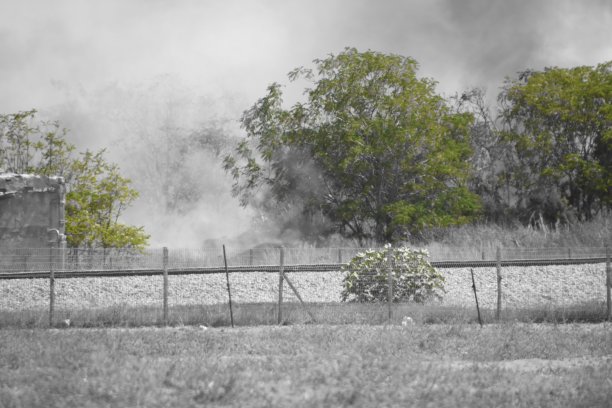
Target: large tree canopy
559	124
373	151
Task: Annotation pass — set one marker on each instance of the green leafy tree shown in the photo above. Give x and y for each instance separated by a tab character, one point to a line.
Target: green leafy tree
559	123
97	194
373	152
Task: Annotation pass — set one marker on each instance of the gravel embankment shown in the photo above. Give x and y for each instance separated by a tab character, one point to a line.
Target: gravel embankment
522	287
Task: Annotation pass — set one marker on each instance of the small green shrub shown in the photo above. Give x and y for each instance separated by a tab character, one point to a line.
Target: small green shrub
413	277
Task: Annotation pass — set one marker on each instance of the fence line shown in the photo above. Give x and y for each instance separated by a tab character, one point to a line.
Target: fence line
91	273
75	259
281	267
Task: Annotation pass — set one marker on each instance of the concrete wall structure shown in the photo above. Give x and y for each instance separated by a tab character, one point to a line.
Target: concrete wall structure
31	207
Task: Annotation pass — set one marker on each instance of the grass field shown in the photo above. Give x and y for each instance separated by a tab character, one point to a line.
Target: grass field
434	365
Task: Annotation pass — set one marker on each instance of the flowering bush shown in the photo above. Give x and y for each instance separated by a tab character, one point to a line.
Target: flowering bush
412	276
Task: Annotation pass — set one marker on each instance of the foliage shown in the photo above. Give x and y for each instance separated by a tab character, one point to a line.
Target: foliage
27	147
374	151
412	276
559	124
98	195
96	192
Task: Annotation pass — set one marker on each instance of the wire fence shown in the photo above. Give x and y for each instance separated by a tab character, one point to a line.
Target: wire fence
23	261
86	287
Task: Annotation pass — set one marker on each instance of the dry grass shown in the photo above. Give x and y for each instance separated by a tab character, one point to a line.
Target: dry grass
513	365
265	314
488	236
594	233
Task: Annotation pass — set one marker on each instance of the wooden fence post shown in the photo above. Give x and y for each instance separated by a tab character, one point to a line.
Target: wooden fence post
280	284
499	284
390	280
165	295
339	255
476	296
229	292
51	286
251	257
608	283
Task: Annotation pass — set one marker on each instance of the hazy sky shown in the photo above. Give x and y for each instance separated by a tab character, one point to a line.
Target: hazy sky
51	48
76	60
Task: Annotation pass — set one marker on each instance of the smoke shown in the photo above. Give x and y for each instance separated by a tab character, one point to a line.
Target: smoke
496	39
133	76
477	43
170	142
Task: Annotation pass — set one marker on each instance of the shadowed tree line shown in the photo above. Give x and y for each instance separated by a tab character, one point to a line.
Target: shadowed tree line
546	155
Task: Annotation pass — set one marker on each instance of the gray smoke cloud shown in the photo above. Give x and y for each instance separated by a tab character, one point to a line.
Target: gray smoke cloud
117	72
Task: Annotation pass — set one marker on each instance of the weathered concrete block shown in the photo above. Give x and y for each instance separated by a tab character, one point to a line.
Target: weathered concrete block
29	207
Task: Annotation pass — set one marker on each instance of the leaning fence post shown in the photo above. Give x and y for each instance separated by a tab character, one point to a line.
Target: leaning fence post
51	286
165	264
390	280
608	283
476	297
297	294
229	292
499	284
280	284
